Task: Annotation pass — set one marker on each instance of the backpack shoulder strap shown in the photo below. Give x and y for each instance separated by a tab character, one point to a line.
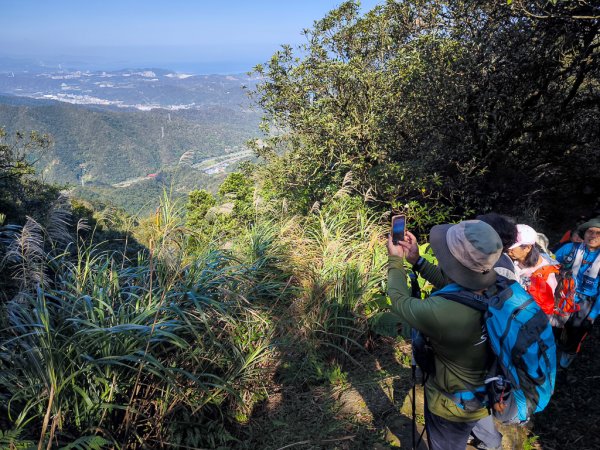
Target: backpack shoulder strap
466	298
569	259
545	271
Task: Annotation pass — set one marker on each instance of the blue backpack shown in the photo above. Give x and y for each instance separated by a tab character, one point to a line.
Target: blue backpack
521	338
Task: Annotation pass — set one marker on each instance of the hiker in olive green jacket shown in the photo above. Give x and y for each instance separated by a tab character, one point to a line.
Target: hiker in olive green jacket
466	254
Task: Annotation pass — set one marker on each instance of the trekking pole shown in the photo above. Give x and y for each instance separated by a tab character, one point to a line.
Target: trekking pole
415	292
413	368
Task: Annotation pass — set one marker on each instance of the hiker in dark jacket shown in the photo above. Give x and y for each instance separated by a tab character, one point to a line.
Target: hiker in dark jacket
584	258
507	230
466	253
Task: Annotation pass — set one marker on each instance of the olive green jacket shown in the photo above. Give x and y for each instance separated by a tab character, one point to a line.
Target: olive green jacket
456	333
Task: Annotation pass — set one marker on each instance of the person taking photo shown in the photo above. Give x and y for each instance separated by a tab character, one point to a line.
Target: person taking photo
466	253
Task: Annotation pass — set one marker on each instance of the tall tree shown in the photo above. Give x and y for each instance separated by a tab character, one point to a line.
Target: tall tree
470	104
20	192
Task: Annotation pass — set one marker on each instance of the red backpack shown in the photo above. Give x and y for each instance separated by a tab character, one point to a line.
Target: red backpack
561	302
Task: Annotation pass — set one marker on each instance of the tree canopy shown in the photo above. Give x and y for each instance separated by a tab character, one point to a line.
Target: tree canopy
20	192
474	105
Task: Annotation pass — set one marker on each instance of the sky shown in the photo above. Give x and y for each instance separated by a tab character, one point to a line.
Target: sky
200	36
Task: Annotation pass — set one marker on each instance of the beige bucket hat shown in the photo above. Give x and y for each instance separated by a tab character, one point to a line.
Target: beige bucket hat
467	252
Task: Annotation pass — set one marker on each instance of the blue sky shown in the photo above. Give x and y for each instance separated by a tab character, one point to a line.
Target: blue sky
201	35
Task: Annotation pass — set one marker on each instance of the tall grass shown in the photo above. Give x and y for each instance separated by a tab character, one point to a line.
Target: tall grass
263	254
157	352
337	257
172	348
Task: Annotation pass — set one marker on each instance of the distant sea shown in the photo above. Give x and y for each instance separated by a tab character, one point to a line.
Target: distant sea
221	68
71	63
195	67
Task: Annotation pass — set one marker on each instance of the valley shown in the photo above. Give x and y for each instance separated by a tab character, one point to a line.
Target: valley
114	130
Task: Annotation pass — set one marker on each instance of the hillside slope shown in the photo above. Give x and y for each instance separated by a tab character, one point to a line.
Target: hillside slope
106	146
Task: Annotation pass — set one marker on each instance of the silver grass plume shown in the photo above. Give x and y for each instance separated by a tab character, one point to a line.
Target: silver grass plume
82	226
58	222
368	196
387	215
8	233
26	255
257	200
106	217
346	185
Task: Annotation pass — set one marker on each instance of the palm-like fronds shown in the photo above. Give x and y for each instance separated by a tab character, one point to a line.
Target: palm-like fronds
11	439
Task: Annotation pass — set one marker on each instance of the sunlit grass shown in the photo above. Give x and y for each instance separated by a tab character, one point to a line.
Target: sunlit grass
137	351
170	348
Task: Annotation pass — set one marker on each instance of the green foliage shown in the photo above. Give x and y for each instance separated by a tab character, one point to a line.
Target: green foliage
209	221
199	202
10	439
88	443
143	197
236	184
264	253
100	147
20	193
458	106
146	350
239	188
426	252
337	256
337	376
15	160
548	9
421	214
530	443
432	109
401	355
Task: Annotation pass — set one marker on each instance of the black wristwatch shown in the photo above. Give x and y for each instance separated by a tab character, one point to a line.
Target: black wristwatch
419	264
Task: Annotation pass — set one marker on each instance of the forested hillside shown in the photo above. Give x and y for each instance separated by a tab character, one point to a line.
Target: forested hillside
107	146
248	317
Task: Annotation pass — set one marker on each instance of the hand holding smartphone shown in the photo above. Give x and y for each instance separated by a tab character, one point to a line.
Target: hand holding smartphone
398	228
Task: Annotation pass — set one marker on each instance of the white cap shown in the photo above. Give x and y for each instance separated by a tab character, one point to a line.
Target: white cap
525	236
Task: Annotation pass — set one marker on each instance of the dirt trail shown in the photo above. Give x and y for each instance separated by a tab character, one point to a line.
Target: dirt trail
371	409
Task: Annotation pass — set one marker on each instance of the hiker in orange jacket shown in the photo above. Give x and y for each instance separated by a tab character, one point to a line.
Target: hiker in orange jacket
536	271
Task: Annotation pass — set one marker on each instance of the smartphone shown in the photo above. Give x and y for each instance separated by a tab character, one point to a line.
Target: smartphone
398	228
